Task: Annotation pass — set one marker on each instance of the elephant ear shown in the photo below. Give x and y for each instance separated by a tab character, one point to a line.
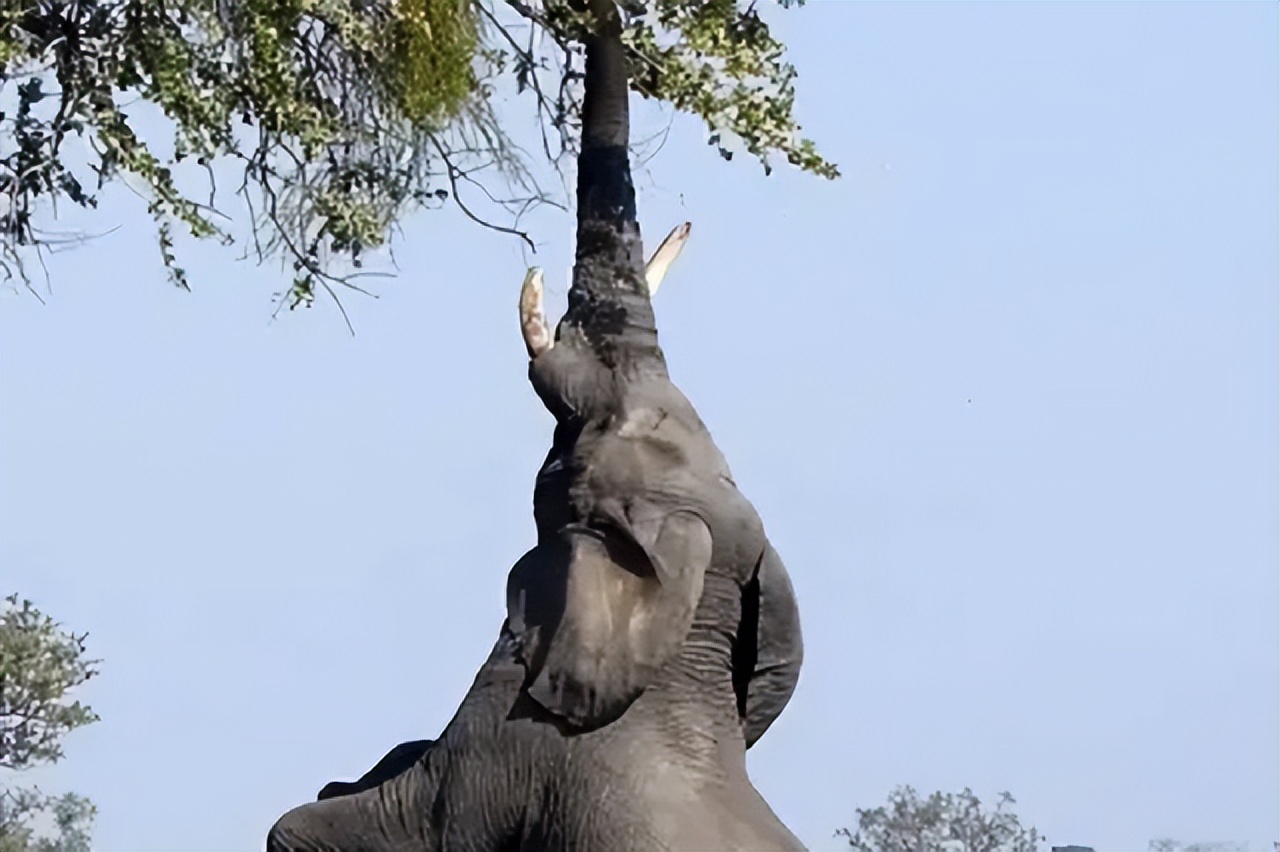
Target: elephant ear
770	650
601	609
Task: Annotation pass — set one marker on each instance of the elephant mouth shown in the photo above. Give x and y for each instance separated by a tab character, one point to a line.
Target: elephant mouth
534	327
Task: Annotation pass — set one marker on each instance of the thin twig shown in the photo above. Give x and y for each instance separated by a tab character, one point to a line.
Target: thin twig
341	308
453	173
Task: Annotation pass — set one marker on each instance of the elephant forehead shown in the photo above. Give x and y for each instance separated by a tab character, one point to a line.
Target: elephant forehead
675	430
648	450
624	469
654	462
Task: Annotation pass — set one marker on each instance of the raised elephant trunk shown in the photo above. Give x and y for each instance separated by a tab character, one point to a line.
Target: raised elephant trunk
609	300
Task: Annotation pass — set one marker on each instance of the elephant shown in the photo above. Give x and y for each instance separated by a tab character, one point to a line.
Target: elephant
400	758
652	633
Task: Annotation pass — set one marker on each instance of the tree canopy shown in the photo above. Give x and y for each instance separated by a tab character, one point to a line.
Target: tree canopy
40	664
942	822
340	116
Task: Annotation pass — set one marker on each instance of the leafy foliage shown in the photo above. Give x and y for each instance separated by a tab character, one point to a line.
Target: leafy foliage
944	822
40	663
72	818
342	115
725	67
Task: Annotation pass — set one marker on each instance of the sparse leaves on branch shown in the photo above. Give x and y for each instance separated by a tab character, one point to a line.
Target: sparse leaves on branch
341	116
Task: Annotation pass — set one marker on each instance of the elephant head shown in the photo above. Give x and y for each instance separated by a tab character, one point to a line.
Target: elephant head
634	504
607	596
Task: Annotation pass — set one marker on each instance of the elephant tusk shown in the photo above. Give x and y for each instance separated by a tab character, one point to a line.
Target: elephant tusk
656	269
533	320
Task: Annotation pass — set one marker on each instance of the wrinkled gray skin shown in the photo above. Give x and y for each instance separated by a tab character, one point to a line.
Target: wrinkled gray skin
652	635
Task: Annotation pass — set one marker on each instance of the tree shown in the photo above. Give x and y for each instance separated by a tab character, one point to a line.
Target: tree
341	116
40	664
944	822
1168	844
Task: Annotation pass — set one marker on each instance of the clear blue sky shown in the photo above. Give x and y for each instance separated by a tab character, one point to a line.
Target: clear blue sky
1006	397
